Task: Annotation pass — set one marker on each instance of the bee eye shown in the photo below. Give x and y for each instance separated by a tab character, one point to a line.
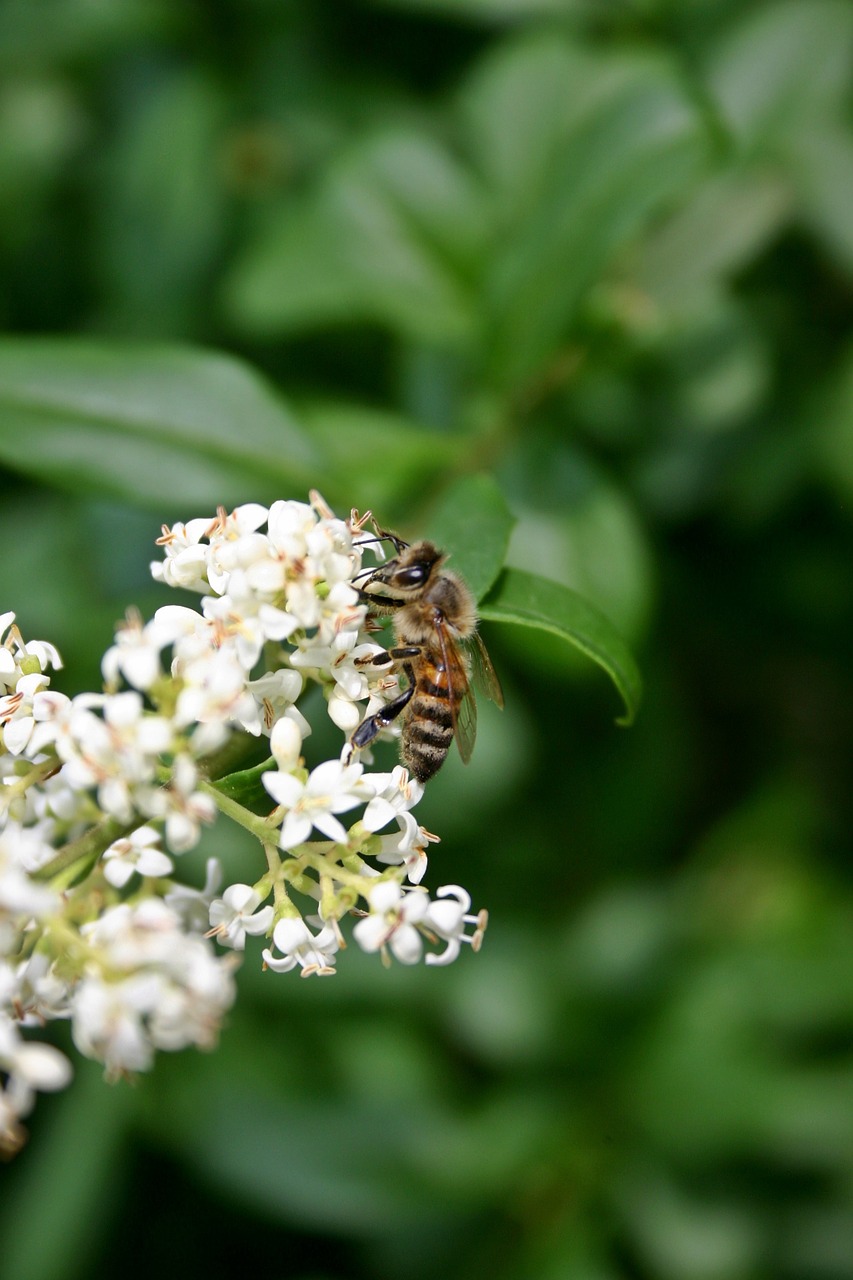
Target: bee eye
414	576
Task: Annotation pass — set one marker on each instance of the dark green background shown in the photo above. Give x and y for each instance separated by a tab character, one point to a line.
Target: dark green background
604	252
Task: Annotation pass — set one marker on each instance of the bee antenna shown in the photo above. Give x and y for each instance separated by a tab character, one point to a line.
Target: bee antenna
381	536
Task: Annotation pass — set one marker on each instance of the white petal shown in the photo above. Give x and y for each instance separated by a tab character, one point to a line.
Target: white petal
406	944
43	1066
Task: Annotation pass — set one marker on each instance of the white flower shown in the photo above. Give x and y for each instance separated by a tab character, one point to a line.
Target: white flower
185	564
214	689
179	805
286	744
108	1021
192	906
407	847
20	711
29	1067
115	752
39	992
396	794
22	851
136	652
234	915
274	693
245	621
149	984
136	852
298	945
331	788
448	920
393	920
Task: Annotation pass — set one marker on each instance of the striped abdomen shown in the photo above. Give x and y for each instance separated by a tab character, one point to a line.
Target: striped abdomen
430	716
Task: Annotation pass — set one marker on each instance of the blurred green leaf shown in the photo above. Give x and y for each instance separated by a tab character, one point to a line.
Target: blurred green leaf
49	1220
576	526
781	64
731	218
832	414
497	10
526	600
162	207
375	458
164	427
74	29
384	237
581	152
689	1237
473	522
821	166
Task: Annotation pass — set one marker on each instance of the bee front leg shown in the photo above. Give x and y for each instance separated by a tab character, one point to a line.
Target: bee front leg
369	728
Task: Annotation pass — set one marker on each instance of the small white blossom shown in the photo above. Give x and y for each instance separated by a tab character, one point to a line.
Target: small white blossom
275	693
29	1067
331	788
396	794
407	848
448	919
286	744
393	922
235	914
185	563
136	652
137	852
299	946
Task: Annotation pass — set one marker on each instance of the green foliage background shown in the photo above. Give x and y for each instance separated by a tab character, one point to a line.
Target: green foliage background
602	252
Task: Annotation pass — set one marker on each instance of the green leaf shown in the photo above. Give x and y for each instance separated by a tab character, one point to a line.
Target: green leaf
172	428
498	10
724	226
374	458
782	64
526	600
385	237
246	788
820	161
473	522
161	210
52	1217
831	419
582	151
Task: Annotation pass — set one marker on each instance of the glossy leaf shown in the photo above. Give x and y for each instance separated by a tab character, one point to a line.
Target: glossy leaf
473	522
526	600
172	428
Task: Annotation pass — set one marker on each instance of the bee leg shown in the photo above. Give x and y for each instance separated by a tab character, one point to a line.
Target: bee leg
369	728
389	656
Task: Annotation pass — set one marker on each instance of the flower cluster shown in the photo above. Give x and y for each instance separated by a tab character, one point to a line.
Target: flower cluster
101	794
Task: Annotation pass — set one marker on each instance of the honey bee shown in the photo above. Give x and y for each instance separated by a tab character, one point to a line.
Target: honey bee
438	650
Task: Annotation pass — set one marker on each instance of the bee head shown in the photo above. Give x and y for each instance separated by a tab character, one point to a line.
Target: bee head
414	567
408	574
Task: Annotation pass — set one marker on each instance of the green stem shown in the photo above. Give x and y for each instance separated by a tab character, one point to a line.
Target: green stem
259	827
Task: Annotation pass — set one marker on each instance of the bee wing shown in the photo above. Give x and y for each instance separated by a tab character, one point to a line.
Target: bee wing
464	715
483	673
466	725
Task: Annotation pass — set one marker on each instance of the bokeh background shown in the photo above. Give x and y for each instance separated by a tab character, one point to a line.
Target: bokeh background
602	251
